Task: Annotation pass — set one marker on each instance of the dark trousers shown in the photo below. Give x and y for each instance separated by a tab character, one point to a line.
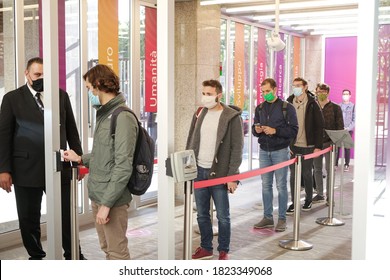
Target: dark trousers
347	154
307	172
28	204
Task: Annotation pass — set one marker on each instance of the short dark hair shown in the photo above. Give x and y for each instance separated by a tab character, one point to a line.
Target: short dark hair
323	86
299	79
214	84
103	78
269	81
347	90
33	60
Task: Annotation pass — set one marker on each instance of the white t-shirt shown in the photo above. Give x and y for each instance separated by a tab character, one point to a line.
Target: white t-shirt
208	138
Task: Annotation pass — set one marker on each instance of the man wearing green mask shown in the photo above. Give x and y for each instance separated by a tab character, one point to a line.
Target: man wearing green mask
308	140
275	125
333	120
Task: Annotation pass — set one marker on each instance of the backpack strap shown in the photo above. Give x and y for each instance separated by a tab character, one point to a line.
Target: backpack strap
198	111
284	110
114	117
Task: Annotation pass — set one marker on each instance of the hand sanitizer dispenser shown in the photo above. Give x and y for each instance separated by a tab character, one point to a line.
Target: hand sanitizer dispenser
183	165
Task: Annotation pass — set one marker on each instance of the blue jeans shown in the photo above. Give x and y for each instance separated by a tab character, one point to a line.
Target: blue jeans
220	196
268	159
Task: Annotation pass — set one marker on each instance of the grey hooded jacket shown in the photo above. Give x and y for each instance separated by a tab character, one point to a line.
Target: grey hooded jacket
229	143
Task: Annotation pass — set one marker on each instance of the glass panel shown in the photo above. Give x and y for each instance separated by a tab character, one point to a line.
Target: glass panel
257	68
223	55
72	68
31	29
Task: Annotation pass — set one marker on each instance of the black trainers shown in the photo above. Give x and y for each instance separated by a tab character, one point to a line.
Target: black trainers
318	199
290	210
307	206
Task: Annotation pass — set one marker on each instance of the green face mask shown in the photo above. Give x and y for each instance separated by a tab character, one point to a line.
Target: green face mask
322	96
269	96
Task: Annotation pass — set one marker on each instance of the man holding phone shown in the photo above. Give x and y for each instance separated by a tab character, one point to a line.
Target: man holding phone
275	125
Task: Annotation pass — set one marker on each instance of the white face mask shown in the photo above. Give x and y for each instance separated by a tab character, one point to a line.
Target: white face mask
209	101
346	98
297	91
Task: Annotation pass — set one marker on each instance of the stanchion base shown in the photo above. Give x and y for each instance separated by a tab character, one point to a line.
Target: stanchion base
295	245
326	221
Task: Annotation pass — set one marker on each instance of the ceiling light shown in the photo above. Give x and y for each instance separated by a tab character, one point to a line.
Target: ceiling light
352	32
350	19
336	25
304	15
219	2
293	6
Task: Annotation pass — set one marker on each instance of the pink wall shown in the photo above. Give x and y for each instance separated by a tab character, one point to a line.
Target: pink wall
340	67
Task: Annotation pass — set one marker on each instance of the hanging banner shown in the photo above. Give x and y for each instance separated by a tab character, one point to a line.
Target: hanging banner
150	60
108	33
297	57
239	66
261	63
279	70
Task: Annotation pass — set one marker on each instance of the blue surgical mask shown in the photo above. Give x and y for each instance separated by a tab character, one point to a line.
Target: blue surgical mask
94	99
297	91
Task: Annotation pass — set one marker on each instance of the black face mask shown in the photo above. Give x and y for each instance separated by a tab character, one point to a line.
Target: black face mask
37	85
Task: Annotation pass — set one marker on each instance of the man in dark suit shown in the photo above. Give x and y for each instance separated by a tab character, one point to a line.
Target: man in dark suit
22	156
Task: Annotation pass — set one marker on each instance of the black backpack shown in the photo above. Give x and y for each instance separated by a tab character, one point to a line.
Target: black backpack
143	162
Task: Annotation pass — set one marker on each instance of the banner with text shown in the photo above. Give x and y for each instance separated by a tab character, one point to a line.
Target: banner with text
150	60
108	33
261	63
297	57
279	70
239	66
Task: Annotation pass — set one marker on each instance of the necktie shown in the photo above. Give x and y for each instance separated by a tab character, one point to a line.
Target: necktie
39	100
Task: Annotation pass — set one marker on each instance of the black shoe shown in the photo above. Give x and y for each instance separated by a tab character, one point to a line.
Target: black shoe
318	199
290	210
307	206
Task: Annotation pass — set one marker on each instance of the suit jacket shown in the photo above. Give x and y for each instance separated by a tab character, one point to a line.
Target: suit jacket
22	143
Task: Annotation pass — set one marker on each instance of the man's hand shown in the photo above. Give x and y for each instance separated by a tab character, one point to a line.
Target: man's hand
268	130
232	186
6	181
258	128
102	215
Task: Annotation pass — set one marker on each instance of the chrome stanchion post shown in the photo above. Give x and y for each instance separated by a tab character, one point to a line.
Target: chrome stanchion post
188	204
330	221
341	199
74	224
215	228
296	244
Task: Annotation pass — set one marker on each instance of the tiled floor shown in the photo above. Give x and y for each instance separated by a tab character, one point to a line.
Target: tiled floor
329	242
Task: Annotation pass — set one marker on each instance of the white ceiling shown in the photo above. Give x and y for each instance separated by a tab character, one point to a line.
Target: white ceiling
305	17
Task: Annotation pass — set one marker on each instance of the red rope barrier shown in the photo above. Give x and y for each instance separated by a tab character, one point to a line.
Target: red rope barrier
253	173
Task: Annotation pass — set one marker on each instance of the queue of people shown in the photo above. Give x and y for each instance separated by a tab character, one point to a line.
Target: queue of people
283	129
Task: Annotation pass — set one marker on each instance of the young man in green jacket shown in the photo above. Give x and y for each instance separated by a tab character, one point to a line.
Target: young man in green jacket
110	163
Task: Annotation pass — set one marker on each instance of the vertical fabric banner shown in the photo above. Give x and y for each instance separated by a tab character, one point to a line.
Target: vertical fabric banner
108	33
261	63
279	70
297	57
150	60
239	66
